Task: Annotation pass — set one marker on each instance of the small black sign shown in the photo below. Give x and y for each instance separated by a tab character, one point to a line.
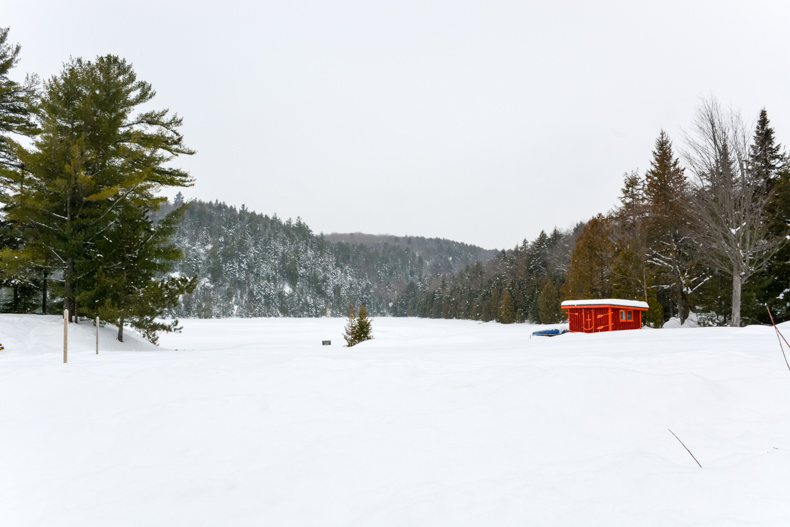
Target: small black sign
326	342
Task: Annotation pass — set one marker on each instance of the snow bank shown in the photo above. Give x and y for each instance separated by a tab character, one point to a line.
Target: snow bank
253	422
690	322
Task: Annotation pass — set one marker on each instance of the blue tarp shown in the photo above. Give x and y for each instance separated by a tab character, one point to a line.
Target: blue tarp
549	332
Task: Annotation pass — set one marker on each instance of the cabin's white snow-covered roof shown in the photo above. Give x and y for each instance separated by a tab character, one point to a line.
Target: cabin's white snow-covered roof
606	302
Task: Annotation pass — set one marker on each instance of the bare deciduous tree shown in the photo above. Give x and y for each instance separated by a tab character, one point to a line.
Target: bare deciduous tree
729	208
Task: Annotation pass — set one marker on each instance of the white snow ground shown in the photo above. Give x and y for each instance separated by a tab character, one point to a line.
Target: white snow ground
435	422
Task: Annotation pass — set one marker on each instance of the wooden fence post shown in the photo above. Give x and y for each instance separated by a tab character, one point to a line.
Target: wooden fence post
65	335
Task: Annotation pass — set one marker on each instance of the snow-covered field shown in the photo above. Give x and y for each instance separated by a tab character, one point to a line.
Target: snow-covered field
435	422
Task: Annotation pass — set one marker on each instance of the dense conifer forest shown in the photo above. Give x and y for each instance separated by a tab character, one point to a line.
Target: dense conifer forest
253	265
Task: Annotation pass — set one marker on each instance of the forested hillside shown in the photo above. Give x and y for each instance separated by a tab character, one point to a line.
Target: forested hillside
392	262
253	265
519	284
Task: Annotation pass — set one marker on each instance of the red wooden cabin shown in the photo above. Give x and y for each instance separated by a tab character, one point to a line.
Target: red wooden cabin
613	314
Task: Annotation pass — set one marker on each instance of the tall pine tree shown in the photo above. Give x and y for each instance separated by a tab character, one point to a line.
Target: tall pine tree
364	330
90	185
769	166
550	312
670	251
590	272
508	315
17	102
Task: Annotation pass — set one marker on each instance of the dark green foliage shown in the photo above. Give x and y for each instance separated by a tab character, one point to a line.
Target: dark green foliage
508	310
364	325
85	199
252	265
771	286
671	252
713	299
16	104
776	278
404	305
481	291
359	327
18	276
351	329
765	154
631	274
126	283
392	262
591	268
549	302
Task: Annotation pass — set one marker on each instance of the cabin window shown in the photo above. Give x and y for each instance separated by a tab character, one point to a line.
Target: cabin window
630	315
622	314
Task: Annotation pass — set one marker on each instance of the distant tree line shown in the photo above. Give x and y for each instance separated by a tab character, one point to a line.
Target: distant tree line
391	262
518	285
708	235
81	165
704	232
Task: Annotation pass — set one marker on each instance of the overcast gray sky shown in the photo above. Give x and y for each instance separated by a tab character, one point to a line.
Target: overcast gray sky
482	122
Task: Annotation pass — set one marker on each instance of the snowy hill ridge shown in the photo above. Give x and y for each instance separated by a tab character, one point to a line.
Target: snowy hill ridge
253	265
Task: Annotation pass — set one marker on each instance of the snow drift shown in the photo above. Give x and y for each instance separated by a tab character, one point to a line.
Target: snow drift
253	422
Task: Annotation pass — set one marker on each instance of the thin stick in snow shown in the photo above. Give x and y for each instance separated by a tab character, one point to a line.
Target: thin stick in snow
779	334
65	335
684	446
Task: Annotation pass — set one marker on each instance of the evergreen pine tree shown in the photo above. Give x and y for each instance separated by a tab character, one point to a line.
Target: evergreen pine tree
364	325
125	286
770	167
93	173
533	298
589	275
508	310
351	331
776	294
16	105
765	154
549	302
630	269
16	102
670	250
